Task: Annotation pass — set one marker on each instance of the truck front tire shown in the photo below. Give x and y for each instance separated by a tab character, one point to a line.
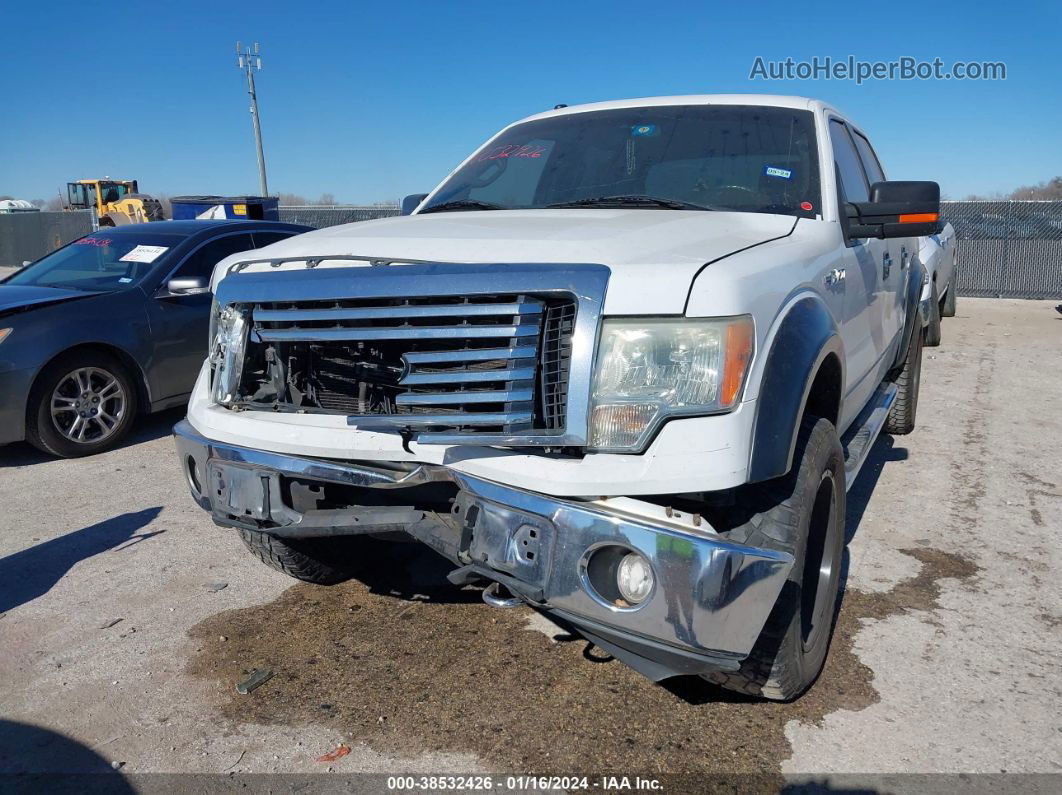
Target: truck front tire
801	513
315	560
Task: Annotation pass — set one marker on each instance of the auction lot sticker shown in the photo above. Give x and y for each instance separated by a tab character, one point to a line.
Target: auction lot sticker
144	254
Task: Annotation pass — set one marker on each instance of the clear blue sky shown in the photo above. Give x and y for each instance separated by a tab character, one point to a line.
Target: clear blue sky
371	101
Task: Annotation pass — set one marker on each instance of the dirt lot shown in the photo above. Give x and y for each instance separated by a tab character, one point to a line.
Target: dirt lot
126	617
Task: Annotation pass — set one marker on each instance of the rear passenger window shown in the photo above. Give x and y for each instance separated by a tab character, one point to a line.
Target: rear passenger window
844	154
201	263
870	160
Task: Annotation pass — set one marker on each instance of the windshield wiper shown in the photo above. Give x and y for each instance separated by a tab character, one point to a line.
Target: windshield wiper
461	204
631	201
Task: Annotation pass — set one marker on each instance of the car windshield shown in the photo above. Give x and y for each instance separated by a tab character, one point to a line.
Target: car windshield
679	157
100	261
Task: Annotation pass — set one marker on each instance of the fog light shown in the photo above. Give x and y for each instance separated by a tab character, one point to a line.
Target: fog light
634	578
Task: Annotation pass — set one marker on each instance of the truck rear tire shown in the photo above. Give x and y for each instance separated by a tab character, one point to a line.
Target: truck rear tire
901	419
317	560
801	513
950	299
933	326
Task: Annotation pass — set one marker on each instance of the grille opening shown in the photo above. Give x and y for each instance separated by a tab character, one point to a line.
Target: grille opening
483	364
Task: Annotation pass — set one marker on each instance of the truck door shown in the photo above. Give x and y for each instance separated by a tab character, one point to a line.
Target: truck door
862	332
895	266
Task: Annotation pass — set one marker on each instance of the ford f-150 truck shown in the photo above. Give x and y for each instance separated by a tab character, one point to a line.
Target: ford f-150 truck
621	365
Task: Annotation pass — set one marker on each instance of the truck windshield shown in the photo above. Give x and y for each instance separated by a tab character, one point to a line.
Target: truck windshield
100	261
720	157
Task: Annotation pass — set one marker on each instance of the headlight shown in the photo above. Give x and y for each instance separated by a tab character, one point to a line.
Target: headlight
648	369
228	340
4	332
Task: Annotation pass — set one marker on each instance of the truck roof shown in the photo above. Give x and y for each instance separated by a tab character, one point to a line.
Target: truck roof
770	100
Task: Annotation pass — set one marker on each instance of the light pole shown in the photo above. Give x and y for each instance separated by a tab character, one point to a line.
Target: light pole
250	62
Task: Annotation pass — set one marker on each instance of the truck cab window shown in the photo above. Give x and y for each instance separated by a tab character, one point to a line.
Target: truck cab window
853	180
870	160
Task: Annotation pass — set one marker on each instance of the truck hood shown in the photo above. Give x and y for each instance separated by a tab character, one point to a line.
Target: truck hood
653	254
15	297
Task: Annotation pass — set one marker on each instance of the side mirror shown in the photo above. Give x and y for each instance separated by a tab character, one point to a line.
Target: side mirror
896	209
411	202
194	285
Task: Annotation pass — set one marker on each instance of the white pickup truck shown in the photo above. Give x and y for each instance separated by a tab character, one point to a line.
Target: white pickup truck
621	365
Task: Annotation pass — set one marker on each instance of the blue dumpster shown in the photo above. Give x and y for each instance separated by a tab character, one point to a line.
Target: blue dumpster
250	208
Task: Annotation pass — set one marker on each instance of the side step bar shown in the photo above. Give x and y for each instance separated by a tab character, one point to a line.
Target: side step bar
864	431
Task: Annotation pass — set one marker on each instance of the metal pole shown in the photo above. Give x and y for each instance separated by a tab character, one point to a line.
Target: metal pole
257	134
250	61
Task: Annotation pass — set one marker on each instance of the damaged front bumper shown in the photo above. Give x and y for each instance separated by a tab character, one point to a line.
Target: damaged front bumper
710	597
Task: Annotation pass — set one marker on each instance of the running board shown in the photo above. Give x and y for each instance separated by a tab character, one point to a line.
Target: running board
864	431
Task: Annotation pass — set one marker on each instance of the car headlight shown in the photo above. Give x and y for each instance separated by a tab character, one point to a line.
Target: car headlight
652	368
228	338
4	333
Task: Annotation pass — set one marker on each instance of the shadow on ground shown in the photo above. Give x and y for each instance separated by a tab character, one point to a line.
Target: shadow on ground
147	429
35	759
32	572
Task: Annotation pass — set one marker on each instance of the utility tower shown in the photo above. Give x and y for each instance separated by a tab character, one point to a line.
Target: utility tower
250	62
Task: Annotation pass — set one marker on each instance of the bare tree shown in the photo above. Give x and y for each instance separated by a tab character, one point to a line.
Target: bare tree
1052	189
326	199
288	199
54	204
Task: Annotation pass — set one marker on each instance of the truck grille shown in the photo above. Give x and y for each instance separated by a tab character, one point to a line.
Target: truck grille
483	364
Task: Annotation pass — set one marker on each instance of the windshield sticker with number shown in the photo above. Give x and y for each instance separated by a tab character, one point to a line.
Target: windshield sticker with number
144	254
99	242
774	171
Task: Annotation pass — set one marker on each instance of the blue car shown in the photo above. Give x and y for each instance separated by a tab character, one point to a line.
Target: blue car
110	326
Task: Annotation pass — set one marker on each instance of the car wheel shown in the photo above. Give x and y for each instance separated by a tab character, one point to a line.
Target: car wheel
950	299
83	403
801	513
933	326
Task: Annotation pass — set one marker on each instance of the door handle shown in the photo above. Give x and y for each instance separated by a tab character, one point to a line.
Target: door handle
836	276
886	266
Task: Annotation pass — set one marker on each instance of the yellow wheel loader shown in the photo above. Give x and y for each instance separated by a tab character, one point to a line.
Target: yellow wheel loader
117	202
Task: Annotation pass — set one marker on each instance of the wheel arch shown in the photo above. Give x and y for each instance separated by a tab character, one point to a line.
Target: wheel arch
143	394
804	371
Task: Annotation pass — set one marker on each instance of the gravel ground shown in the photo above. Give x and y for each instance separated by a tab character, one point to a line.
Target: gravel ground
7	270
126	617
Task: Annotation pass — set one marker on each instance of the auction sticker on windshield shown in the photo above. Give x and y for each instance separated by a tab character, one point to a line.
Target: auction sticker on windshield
144	254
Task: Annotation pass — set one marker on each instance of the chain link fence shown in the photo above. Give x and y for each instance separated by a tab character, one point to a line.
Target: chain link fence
25	237
319	216
1007	249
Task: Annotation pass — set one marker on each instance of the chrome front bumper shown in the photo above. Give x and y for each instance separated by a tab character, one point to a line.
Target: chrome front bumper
709	603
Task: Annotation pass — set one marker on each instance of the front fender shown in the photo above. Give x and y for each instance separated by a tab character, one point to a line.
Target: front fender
805	337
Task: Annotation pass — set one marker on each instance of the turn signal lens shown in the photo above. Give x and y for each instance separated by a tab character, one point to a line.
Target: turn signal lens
4	332
919	218
738	353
